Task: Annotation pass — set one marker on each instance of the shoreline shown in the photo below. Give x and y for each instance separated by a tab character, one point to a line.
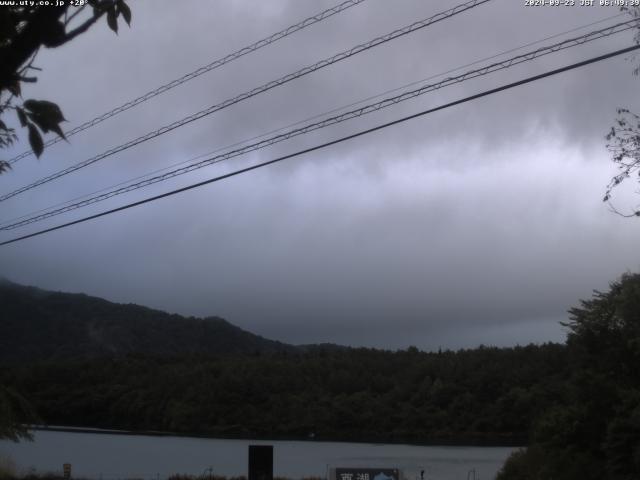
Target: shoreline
513	442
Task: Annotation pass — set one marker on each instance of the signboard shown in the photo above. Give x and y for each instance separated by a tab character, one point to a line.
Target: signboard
66	469
367	474
260	462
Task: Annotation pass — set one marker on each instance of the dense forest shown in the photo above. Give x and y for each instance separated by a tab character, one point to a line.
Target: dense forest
482	395
592	429
576	405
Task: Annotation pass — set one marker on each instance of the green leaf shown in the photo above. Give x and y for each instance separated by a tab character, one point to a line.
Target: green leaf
58	130
21	116
112	20
124	9
48	110
39	122
35	140
47	115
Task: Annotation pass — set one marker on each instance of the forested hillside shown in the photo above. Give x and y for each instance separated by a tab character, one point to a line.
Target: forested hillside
39	325
473	396
576	406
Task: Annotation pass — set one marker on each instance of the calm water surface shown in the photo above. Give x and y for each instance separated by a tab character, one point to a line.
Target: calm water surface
110	456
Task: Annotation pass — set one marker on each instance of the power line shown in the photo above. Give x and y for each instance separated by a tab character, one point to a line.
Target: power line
336	119
333	142
6	223
251	93
525	57
307	22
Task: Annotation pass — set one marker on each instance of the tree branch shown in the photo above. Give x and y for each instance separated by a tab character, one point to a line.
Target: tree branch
634	213
84	27
26	43
74	14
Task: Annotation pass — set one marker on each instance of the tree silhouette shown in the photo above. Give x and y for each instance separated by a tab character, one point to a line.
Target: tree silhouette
593	432
24	30
624	141
15	414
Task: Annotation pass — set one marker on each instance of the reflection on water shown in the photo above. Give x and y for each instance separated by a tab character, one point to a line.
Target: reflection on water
110	456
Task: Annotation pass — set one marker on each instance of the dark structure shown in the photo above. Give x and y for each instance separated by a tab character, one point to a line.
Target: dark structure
260	462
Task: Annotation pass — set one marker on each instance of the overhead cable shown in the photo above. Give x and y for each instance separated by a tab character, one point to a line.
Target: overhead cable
308	119
307	22
373	107
251	93
333	142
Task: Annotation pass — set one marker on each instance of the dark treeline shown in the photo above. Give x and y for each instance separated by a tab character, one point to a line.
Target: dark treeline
485	395
592	429
576	406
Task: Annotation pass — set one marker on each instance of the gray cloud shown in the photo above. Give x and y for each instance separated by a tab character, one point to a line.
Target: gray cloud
478	224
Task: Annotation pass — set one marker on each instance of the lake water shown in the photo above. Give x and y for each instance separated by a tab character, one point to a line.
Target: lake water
112	456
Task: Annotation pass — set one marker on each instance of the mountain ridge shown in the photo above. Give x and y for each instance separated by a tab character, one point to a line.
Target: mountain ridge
39	325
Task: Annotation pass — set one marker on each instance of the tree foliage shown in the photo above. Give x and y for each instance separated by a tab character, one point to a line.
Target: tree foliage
624	140
593	432
24	29
479	396
15	414
624	145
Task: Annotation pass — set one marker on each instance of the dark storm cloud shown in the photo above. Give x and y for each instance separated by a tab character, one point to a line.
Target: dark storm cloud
478	224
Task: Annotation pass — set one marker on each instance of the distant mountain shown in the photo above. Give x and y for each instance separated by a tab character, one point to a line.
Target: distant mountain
322	347
37	324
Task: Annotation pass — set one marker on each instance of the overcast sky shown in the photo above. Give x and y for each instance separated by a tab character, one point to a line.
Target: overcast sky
482	223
